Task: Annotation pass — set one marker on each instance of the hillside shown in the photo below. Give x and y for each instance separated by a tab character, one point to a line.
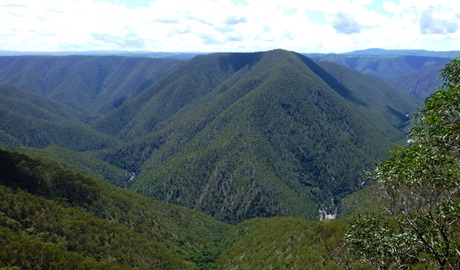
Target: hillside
420	83
59	219
234	135
276	135
56	218
288	243
81	161
28	119
379	97
92	85
254	145
182	87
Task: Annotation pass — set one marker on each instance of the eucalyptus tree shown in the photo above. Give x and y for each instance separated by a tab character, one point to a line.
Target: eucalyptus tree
420	188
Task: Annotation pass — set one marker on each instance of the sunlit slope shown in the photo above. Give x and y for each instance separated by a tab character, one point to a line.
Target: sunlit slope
57	218
283	243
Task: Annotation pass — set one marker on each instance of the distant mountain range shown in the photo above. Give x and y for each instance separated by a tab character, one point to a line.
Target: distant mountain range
189	55
393	66
146	54
413	72
425	53
391	53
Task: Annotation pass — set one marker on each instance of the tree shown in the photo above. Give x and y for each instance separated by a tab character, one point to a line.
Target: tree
420	187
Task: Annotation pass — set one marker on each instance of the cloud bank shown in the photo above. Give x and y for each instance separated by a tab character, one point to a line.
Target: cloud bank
228	25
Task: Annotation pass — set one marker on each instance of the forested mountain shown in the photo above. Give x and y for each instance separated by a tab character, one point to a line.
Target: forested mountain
235	135
252	144
167	96
262	134
28	119
92	85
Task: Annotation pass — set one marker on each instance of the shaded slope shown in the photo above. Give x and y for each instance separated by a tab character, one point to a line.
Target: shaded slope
372	90
384	106
89	84
32	120
271	139
421	83
37	102
53	217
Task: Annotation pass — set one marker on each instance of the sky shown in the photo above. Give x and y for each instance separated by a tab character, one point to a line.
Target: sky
306	26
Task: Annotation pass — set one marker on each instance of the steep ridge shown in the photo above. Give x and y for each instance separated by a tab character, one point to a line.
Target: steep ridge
371	89
178	89
92	85
269	138
28	119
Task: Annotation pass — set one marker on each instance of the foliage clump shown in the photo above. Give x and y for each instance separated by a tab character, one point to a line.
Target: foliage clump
420	184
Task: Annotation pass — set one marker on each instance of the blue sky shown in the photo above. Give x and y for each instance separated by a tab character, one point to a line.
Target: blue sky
228	25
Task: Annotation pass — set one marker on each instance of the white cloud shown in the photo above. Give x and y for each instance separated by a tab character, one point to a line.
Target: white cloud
438	21
345	23
223	25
